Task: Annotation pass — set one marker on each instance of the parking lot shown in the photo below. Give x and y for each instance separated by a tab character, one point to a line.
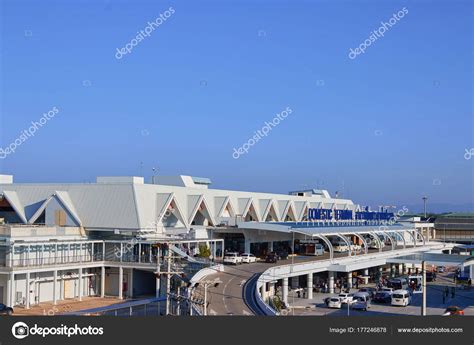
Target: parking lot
463	298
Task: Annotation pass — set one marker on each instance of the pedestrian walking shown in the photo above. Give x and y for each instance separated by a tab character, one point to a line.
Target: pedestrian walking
453	292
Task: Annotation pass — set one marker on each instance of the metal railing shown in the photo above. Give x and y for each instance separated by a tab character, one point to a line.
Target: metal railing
56	260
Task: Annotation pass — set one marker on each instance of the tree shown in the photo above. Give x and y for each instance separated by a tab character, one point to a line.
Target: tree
204	251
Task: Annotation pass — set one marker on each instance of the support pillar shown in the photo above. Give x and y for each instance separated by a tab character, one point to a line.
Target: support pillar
130	283
246	245
120	281
285	290
102	281
310	286
27	292
55	287
349	280
331	282
366	272
11	288
400	269
80	284
61	286
270	246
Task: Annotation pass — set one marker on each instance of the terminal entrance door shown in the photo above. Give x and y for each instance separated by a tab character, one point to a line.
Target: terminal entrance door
259	249
234	243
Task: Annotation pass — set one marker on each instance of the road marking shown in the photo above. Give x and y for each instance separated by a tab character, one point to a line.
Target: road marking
224	295
246	313
212	312
242	282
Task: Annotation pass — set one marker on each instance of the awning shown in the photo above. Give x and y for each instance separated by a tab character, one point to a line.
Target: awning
434	259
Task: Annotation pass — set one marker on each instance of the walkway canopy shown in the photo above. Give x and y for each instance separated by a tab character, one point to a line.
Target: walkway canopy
312	229
434	259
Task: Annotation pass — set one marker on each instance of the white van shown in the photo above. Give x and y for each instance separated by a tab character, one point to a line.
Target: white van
340	247
318	249
401	298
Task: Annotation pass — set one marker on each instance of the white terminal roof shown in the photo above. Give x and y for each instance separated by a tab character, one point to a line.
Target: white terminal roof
128	203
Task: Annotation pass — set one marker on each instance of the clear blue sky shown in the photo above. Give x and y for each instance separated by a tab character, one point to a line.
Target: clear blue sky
384	128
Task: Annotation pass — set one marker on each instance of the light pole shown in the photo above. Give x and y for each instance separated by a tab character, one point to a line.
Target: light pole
207	284
423	288
424	204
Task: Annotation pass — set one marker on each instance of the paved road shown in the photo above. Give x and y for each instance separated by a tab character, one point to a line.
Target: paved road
227	298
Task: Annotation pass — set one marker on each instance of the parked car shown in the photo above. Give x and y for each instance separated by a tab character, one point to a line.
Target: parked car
346	298
382	297
401	298
4	310
441	269
371	291
453	310
271	258
387	289
334	302
282	254
248	258
232	258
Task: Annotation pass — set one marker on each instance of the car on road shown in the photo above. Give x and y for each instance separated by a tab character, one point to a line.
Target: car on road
401	298
334	302
248	258
340	247
346	297
453	311
371	291
232	258
361	301
440	269
4	310
271	258
383	297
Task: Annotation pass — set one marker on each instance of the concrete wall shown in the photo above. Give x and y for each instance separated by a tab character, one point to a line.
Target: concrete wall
42	286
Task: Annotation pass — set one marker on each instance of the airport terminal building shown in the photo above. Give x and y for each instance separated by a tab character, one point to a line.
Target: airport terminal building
60	241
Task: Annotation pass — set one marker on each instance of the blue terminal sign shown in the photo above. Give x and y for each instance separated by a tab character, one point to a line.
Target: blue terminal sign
328	214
